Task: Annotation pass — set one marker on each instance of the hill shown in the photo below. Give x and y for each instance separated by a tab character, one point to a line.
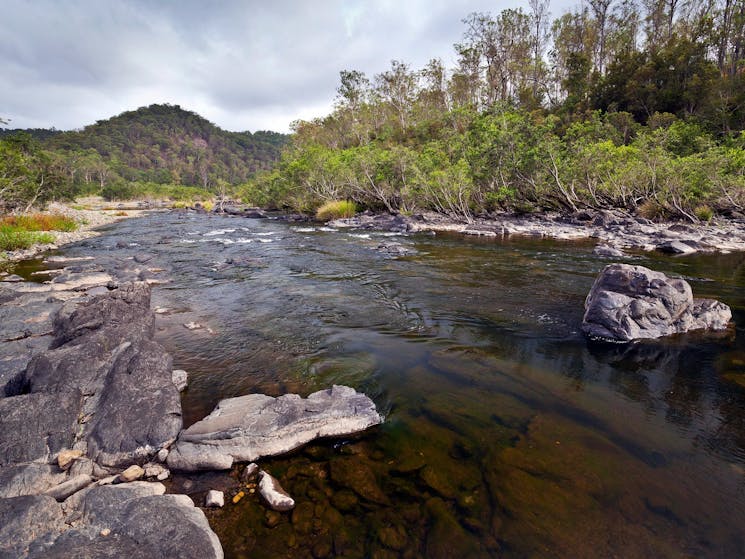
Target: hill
167	144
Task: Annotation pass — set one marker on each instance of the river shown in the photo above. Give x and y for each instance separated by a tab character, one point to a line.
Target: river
507	433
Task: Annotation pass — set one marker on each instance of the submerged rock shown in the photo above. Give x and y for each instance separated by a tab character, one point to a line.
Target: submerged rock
632	302
395	249
246	428
608	251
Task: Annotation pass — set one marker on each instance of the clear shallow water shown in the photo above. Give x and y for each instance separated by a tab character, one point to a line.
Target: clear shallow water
506	433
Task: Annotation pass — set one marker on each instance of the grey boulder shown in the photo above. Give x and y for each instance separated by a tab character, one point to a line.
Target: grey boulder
246	428
633	302
135	520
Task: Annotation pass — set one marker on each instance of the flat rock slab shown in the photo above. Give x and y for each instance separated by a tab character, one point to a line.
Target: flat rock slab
246	428
633	302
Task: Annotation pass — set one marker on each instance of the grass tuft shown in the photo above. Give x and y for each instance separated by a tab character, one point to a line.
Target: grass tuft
704	213
336	209
12	238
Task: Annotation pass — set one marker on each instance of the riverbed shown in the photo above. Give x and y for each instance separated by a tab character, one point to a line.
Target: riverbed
507	433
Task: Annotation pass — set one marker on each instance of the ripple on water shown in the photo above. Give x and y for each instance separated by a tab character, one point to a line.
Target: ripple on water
506	434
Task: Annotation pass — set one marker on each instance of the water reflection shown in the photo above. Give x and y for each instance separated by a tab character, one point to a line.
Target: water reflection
507	434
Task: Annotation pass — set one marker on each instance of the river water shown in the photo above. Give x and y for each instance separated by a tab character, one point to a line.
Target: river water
507	434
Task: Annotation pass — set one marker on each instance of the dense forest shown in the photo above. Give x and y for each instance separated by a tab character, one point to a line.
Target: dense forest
148	151
632	104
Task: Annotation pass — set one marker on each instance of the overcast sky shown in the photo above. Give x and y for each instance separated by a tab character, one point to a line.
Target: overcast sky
245	65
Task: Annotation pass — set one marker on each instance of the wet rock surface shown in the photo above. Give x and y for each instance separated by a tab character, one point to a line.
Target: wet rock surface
633	302
246	428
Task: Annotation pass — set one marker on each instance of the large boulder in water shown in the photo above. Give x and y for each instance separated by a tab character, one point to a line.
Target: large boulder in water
246	428
632	302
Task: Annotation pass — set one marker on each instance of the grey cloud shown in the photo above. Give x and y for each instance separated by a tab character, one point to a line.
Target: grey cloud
242	64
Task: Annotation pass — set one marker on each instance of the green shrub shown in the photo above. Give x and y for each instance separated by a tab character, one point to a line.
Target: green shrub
12	238
182	204
703	212
336	209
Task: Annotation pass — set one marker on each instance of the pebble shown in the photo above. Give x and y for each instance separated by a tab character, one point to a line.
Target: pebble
157	471
215	499
134	472
180	379
105	532
249	472
66	457
238	496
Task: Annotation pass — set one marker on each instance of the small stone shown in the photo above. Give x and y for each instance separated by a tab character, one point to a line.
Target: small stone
238	496
157	471
272	492
105	532
192	326
163	454
66	457
214	499
107	480
180	379
134	472
249	472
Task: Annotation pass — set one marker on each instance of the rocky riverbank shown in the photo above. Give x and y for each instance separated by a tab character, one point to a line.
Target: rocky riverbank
94	216
612	229
89	410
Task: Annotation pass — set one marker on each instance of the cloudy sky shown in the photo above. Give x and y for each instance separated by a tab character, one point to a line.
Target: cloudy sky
245	65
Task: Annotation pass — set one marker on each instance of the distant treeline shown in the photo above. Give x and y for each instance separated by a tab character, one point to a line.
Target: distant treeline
129	154
634	104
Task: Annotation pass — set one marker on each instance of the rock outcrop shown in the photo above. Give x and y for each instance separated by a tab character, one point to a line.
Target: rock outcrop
632	302
87	394
246	428
134	520
104	364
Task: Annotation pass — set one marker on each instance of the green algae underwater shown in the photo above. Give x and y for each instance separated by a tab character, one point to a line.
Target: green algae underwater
507	433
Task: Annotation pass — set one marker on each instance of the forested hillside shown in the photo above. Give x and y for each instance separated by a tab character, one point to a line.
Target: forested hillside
634	104
150	150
